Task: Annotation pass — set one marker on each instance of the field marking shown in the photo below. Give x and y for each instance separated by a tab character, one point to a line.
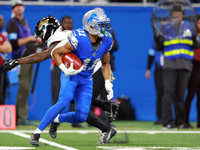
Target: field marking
43	141
97	131
145	148
11	148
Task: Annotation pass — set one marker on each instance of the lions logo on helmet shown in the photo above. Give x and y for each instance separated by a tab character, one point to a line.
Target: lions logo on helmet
96	22
46	27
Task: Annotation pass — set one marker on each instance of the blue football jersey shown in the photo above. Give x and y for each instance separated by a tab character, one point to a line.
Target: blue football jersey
81	43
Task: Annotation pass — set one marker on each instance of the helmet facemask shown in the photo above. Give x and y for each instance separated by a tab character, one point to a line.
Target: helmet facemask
102	27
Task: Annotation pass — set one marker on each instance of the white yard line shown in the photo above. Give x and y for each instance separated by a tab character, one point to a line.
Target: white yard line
97	131
145	148
42	140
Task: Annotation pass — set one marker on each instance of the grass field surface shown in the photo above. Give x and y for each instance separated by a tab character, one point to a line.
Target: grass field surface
132	135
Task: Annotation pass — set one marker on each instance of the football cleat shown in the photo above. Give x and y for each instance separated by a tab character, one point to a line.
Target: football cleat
53	129
34	139
106	136
114	106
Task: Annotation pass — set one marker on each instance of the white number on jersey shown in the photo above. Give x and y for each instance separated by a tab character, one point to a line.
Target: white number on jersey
86	62
81	33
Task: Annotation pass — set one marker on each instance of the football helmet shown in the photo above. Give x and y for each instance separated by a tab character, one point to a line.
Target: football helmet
96	22
46	27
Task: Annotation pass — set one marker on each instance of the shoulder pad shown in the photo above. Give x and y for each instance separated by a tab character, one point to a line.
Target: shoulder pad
57	37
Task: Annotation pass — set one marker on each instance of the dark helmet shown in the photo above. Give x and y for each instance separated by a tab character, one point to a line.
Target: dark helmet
46	27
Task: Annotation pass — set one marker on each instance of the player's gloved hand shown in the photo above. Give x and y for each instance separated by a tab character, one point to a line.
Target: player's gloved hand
108	86
70	71
12	63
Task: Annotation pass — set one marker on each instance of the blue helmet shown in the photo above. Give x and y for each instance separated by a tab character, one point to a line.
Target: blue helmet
96	22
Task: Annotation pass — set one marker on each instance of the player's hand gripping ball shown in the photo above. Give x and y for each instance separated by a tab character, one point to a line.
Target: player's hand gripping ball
69	58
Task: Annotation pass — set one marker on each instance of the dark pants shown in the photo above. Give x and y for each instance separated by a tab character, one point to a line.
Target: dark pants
2	86
193	87
158	78
175	83
55	83
25	79
98	85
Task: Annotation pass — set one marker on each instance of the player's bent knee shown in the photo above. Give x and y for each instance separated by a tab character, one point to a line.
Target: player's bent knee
81	117
61	104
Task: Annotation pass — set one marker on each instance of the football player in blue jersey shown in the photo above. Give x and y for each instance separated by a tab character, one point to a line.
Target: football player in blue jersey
101	44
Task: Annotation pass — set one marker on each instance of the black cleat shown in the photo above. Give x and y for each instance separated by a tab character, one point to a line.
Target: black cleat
53	129
114	106
106	136
34	139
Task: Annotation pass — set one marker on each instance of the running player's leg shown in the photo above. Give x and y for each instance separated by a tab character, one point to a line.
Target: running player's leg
68	85
82	99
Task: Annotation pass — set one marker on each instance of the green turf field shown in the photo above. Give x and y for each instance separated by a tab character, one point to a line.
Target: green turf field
132	135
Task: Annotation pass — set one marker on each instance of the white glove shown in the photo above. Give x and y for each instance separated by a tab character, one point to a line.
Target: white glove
70	71
108	86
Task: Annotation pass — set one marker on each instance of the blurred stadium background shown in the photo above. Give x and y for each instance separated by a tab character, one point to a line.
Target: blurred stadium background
132	25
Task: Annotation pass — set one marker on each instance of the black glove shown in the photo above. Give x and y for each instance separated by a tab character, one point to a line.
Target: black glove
12	63
159	42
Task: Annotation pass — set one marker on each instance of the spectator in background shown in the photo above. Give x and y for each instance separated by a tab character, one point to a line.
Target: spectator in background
22	41
67	24
194	82
5	47
158	57
178	54
2	31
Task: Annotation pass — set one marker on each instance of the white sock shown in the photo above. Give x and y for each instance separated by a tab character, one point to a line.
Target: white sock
56	120
38	131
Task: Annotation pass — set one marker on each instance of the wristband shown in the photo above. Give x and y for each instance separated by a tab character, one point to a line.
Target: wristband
107	81
62	67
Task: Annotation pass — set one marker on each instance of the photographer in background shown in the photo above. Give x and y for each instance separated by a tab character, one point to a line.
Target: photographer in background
22	40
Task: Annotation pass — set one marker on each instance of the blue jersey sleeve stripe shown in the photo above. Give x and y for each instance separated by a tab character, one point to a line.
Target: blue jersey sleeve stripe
73	40
72	44
12	36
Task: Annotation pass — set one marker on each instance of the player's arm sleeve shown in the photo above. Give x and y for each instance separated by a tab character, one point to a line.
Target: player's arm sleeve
73	39
56	38
12	31
150	58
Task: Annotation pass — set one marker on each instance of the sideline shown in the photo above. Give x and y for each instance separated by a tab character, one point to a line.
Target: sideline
145	148
10	148
97	131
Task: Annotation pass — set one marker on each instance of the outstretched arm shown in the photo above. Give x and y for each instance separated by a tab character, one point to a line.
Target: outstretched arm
31	59
37	57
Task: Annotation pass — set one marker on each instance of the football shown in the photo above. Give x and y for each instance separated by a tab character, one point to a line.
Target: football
70	57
